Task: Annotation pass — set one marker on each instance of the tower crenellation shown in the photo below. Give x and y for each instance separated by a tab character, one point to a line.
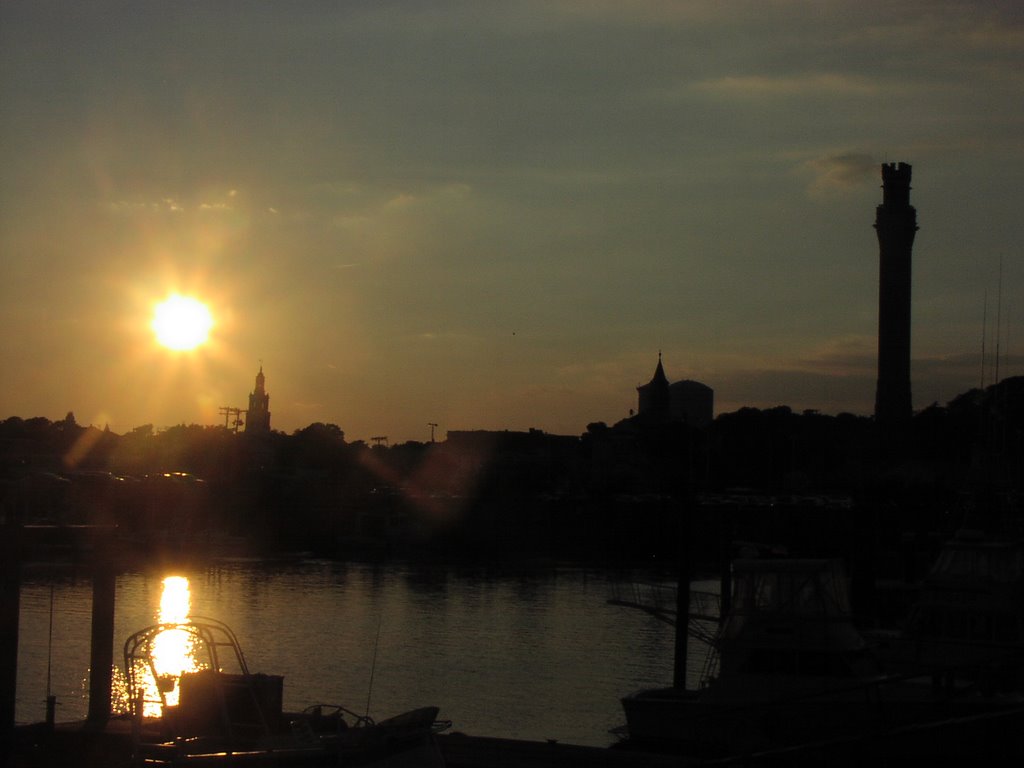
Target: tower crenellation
896	184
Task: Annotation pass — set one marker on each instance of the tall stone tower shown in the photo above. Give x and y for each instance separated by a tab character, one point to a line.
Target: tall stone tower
257	418
895	224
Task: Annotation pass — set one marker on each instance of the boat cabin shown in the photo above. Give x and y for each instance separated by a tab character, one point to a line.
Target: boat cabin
793	617
970	612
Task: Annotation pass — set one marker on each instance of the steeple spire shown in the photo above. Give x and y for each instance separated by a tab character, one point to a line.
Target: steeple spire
659	373
653	397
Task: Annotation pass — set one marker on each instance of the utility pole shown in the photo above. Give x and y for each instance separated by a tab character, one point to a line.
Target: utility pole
227	412
378	439
431	424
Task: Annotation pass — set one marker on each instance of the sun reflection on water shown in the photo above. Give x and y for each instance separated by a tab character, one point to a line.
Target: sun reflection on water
172	652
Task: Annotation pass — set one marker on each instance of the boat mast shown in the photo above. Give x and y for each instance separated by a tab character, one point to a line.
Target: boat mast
683	597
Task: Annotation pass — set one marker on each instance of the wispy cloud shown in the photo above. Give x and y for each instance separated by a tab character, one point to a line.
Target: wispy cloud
842	356
797	389
773	86
163	205
840	172
437	336
173	204
305	407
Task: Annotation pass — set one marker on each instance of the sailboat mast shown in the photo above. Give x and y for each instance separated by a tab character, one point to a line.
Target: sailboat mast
984	333
683	597
999	317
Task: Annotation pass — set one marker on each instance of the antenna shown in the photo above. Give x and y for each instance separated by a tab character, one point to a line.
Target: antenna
373	664
999	316
984	333
51	700
49	646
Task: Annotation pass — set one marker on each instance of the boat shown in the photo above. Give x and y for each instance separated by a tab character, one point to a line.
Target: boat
219	712
790	673
786	666
966	629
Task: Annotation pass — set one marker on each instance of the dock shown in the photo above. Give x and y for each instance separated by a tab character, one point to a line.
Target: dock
461	751
78	745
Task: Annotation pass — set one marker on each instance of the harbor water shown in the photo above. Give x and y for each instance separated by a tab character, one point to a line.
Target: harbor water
538	654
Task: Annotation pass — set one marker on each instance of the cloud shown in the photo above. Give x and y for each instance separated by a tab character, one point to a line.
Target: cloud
401	200
840	172
647	13
172	204
966	368
166	204
841	376
763	86
852	354
225	204
304	408
446	336
349	221
836	375
991	26
797	389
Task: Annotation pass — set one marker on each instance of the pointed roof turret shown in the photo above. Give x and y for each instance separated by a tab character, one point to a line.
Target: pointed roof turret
659	377
654	395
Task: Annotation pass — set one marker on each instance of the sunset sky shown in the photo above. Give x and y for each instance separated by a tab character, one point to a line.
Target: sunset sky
495	214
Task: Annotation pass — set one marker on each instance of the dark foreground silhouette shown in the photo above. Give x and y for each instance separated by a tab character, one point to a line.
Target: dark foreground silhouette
794	479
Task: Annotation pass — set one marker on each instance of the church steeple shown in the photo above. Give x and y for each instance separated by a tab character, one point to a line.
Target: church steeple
257	418
653	397
659	373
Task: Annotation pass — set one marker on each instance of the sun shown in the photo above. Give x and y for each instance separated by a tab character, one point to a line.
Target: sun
181	322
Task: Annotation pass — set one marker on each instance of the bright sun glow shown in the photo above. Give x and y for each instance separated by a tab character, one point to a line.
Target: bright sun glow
181	322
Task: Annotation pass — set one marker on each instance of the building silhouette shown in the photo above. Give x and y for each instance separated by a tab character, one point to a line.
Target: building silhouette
688	401
895	224
653	397
692	402
257	418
